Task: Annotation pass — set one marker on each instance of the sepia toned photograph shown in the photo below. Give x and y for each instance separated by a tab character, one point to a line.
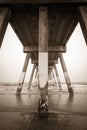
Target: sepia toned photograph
43	64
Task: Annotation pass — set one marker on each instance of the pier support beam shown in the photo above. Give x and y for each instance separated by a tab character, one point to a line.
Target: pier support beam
49	76
67	79
43	57
54	78
82	16
57	76
36	74
5	15
21	81
31	77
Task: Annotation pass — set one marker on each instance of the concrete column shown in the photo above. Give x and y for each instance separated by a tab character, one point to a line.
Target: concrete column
36	74
49	76
43	47
21	81
54	78
57	76
43	54
82	17
31	77
67	79
5	15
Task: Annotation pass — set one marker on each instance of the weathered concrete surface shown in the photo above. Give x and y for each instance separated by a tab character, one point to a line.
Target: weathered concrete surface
65	112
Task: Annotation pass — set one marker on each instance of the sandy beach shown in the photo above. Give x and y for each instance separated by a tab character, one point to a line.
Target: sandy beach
66	112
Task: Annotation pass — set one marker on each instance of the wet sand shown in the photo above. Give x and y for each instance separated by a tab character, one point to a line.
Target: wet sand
65	112
31	121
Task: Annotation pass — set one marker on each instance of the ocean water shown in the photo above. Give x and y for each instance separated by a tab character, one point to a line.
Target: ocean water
77	88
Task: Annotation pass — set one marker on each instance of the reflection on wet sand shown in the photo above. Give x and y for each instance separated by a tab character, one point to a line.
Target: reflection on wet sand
66	112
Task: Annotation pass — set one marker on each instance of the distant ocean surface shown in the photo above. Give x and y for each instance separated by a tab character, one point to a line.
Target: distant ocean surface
11	88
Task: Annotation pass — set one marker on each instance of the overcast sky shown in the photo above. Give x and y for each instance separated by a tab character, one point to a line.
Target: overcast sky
12	58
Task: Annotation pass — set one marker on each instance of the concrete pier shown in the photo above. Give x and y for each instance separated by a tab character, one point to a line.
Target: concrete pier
44	28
